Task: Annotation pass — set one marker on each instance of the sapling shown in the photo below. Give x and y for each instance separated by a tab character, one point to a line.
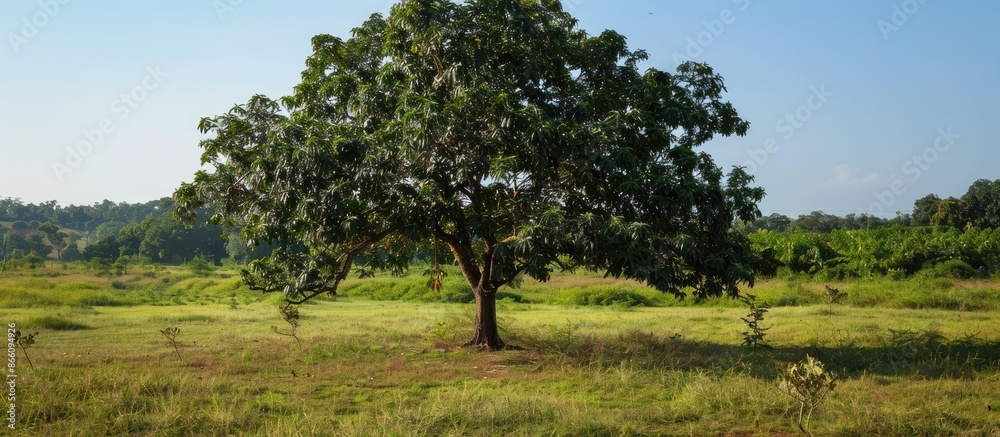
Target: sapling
24	341
833	295
291	315
171	334
754	335
807	383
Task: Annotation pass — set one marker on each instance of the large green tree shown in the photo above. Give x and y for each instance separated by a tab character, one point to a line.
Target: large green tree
502	130
982	204
950	212
924	209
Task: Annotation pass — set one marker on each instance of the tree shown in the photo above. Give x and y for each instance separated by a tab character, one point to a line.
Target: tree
982	204
774	222
15	248
20	228
106	230
72	252
241	253
950	212
863	221
36	243
818	221
498	128
57	239
925	208
5	249
10	209
901	219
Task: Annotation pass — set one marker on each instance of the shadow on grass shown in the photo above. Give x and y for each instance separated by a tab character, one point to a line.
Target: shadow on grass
903	353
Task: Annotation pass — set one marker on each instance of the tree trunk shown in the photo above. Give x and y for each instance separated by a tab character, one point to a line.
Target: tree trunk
486	335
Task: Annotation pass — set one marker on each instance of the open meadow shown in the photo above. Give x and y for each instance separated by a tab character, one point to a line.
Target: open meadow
593	357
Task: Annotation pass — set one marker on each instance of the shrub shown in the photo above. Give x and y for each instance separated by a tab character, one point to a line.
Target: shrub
896	274
513	297
602	295
100	266
34	260
199	265
807	383
954	269
56	323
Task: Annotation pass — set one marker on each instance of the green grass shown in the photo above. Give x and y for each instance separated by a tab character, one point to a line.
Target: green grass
393	367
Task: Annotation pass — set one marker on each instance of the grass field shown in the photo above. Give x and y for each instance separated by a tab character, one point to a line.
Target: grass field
914	357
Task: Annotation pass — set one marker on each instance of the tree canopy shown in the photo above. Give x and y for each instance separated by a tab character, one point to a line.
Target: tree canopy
84	218
981	204
502	130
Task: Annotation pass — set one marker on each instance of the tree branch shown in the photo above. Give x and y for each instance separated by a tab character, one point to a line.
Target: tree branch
346	264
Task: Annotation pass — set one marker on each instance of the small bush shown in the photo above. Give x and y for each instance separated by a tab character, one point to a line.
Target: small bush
199	265
55	323
807	383
100	266
896	274
34	260
838	272
602	295
955	269
513	297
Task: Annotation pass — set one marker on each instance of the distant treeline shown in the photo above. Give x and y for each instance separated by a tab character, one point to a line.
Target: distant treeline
937	231
146	232
83	218
978	208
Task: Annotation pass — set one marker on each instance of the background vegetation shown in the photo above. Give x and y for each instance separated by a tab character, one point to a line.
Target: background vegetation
914	341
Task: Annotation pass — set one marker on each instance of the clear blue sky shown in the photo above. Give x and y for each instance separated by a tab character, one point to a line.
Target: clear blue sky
847	99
